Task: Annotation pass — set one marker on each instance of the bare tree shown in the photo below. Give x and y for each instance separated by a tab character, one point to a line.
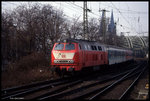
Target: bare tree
93	29
30	28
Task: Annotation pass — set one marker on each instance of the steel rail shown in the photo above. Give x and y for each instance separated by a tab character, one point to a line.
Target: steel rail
7	90
53	96
133	83
43	97
20	90
36	89
113	84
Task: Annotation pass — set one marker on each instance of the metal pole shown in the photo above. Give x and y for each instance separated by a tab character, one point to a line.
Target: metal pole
85	20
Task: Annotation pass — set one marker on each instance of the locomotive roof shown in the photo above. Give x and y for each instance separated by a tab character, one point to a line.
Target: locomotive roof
91	42
76	40
81	41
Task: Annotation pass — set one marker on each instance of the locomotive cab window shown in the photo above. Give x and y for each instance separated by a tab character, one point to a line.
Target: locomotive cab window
59	47
69	47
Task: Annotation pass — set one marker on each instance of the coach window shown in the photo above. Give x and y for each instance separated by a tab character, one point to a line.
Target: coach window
85	47
69	47
89	47
95	47
99	48
92	47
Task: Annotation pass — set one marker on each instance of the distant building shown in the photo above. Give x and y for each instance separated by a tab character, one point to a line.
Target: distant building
112	25
103	25
107	30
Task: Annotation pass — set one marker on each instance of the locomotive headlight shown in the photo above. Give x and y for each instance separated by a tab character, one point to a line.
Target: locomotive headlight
63	61
71	61
55	61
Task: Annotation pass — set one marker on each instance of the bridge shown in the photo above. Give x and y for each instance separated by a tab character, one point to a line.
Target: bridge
139	45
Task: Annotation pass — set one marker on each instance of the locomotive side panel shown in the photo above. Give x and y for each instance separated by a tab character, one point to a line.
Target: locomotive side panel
76	55
94	55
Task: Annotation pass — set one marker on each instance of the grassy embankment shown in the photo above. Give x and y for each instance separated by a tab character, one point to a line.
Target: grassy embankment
31	68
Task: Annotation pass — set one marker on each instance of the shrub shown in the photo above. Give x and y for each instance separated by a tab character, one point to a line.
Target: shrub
31	61
31	68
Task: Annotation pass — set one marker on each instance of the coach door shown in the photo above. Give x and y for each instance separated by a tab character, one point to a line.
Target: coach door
81	55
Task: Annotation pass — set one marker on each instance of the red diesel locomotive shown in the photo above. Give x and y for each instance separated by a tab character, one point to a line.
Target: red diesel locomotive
75	55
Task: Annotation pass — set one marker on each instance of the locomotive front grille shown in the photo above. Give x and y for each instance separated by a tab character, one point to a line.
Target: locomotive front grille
63	61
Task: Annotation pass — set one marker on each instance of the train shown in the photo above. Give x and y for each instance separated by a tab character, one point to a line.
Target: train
72	55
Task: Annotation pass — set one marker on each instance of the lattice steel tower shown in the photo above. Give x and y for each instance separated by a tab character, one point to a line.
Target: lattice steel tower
85	20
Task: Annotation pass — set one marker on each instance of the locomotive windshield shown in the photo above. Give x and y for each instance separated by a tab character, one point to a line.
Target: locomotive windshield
69	47
59	47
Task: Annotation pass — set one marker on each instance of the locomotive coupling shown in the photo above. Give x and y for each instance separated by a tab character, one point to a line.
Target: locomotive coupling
70	69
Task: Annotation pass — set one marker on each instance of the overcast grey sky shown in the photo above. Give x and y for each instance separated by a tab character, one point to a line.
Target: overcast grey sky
133	16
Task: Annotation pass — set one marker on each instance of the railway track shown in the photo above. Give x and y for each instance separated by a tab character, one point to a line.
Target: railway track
66	88
113	88
20	92
35	84
86	90
26	89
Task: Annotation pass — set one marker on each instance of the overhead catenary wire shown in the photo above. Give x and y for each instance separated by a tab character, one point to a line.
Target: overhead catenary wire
94	13
125	10
132	28
124	18
82	8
